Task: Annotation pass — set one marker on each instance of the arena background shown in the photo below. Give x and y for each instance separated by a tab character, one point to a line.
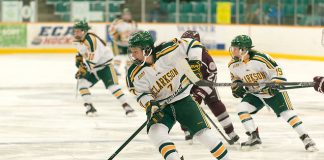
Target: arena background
43	119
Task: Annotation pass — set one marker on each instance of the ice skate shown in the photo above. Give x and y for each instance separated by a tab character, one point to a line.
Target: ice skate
90	110
253	142
188	137
309	143
234	138
129	111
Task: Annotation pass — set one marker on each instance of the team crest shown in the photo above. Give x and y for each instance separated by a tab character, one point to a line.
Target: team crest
141	75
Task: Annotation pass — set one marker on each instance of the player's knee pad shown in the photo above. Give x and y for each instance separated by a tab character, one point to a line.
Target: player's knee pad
113	88
207	137
158	134
245	107
286	115
83	83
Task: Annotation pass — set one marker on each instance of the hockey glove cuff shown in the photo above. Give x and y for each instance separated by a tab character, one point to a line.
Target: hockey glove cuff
82	73
154	112
270	90
78	60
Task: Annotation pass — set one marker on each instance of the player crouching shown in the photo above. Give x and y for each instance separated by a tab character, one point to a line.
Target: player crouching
250	66
94	63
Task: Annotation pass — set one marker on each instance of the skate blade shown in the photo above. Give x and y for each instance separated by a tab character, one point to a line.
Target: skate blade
312	149
131	114
190	142
92	114
251	148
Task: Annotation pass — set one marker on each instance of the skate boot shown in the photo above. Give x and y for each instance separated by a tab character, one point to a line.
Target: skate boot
309	143
188	137
233	138
181	158
129	111
253	142
90	110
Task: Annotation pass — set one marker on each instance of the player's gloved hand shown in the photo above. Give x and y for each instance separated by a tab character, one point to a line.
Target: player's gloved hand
78	60
238	91
269	90
82	72
319	84
154	112
198	94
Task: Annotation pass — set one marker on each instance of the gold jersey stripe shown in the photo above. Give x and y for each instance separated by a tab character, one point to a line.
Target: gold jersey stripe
269	65
202	114
135	71
113	73
167	50
287	100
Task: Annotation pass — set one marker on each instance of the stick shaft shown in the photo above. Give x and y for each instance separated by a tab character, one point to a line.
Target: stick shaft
127	141
220	132
304	84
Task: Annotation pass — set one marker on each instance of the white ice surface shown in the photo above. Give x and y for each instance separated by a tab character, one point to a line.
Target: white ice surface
42	120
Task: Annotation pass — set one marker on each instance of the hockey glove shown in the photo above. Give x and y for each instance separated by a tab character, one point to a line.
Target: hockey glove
82	72
198	94
238	91
78	60
319	84
153	112
270	90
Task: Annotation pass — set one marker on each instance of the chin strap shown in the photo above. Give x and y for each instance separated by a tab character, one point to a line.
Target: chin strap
243	54
145	56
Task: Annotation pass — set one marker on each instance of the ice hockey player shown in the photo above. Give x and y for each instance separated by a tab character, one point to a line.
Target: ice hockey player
251	66
120	30
208	71
158	78
94	61
319	86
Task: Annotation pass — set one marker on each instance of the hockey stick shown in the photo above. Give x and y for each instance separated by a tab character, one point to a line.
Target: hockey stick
183	65
229	141
127	141
267	84
77	88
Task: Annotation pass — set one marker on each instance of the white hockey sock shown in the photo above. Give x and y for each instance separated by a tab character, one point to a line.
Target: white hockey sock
118	93
291	117
86	95
209	139
159	135
224	120
247	121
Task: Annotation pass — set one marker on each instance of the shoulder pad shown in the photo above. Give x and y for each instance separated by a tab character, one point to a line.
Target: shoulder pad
232	62
133	71
264	58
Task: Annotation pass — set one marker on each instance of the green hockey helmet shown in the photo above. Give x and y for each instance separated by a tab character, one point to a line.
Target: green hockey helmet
83	25
242	41
141	39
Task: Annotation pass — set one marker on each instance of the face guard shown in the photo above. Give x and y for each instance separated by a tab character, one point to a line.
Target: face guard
83	26
241	44
144	41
